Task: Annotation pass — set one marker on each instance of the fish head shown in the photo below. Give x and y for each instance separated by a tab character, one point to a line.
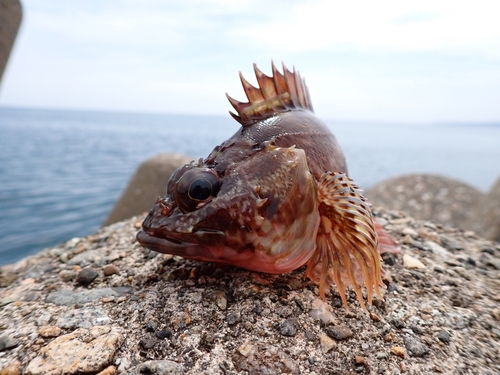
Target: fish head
260	213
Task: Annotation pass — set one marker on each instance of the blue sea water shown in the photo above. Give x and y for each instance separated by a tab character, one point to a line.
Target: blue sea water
62	171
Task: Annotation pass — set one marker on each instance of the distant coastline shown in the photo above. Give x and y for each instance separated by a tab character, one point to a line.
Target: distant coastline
468	123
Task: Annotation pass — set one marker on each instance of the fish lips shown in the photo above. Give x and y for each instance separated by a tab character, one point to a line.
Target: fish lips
185	248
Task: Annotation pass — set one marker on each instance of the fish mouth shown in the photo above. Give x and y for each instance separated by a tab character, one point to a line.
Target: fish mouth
174	246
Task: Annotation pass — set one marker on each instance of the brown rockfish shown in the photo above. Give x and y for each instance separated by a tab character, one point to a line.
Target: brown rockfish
273	197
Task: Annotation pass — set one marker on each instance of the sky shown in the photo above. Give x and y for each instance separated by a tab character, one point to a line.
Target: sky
377	61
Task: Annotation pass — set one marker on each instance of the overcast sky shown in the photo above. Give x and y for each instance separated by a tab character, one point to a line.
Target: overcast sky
397	61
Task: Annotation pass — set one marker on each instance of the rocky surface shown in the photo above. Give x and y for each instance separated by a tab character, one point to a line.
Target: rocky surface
429	197
139	312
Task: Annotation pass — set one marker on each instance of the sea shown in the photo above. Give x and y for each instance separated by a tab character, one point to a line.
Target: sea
62	171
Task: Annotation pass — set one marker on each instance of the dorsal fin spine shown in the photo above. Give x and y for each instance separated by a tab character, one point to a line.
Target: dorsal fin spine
276	94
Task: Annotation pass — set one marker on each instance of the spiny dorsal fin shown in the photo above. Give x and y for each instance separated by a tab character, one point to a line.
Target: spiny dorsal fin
275	94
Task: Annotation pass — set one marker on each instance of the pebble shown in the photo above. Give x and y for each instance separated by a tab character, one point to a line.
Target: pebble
360	360
233	317
340	332
161	367
289	327
374	317
411	262
110	270
67	275
151	326
437	249
415	347
86	258
322	311
451	243
164	334
399	351
49	331
495	313
76	353
444	336
7	342
86	276
219	297
410	232
147	341
110	370
43	319
326	343
246	350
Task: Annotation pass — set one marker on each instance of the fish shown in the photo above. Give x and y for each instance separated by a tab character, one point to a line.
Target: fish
274	197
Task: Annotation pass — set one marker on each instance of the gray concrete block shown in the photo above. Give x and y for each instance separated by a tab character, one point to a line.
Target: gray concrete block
148	183
428	197
10	19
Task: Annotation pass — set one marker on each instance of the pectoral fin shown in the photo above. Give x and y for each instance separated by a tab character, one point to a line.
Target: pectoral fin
347	248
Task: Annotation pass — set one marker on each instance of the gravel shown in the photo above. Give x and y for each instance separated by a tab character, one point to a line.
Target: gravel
158	314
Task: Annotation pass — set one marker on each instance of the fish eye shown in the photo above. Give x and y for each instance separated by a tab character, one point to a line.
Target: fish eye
195	188
200	189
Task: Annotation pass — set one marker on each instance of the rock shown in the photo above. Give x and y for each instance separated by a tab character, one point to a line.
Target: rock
246	350
289	327
111	370
68	275
360	360
43	319
340	332
86	258
444	336
86	276
233	317
148	183
147	341
163	334
110	270
219	297
322	311
151	326
415	347
7	342
76	352
49	331
326	343
411	262
427	197
437	249
161	367
399	351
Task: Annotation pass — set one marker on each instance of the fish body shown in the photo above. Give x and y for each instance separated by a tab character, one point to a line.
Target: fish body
273	197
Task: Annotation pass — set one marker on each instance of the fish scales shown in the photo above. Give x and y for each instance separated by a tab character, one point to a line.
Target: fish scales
273	197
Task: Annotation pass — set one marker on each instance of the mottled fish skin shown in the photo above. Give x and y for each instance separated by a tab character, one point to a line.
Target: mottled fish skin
266	198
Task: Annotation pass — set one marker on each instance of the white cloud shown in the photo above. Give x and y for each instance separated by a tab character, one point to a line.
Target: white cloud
391	25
